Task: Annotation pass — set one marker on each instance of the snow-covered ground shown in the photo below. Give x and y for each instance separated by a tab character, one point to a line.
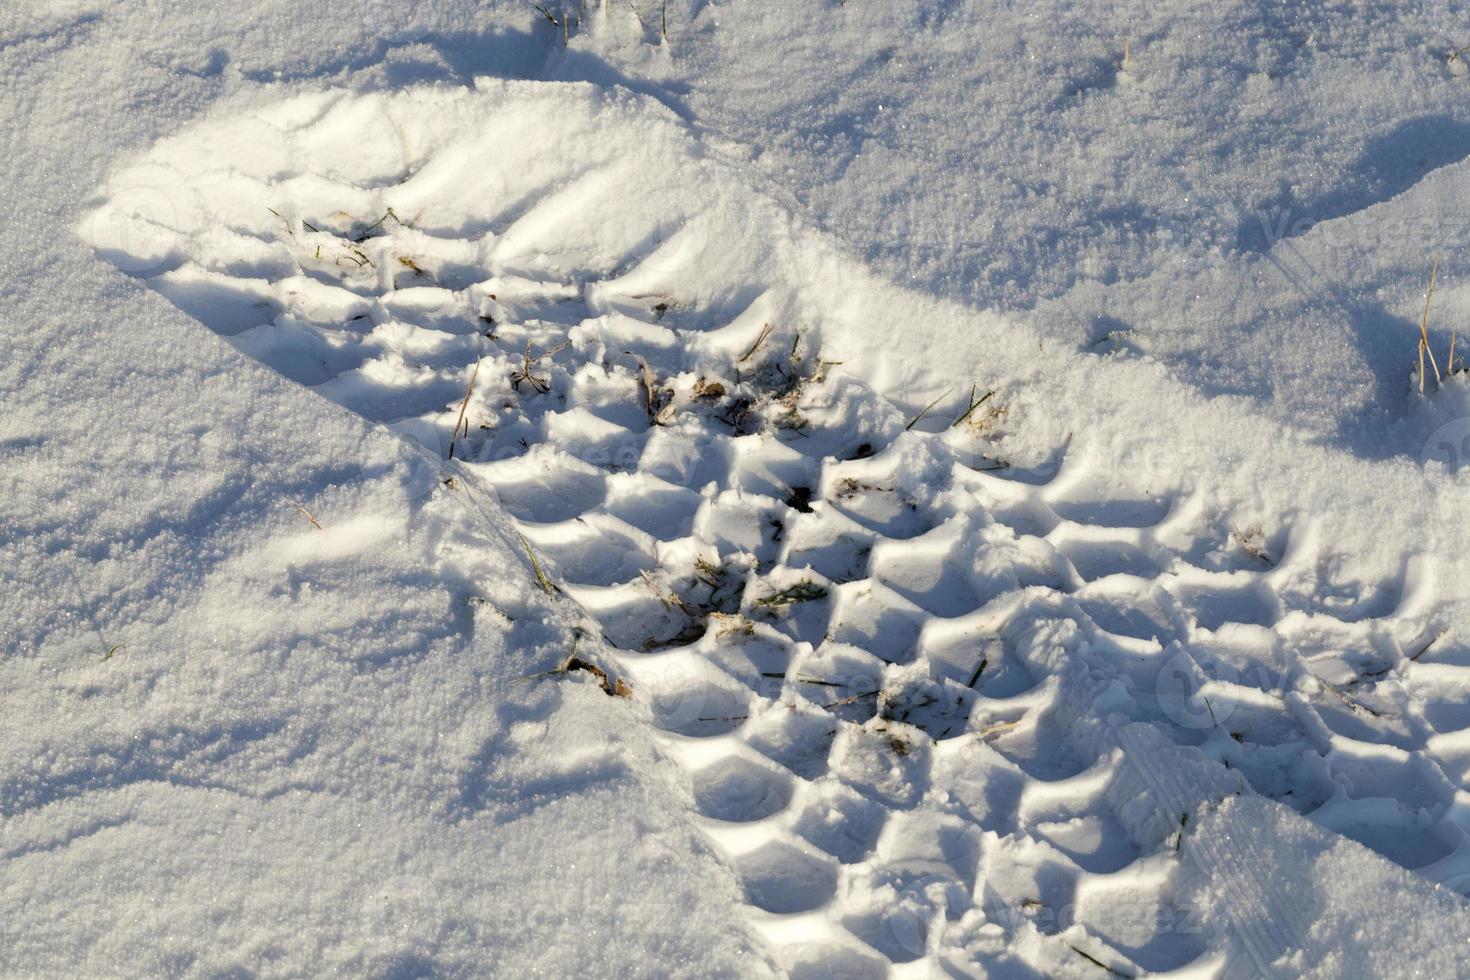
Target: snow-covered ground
909	489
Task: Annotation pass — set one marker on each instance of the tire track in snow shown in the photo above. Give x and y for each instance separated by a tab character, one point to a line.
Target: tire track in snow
936	710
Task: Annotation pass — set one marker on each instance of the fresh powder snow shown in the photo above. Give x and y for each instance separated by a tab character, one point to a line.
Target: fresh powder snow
722	488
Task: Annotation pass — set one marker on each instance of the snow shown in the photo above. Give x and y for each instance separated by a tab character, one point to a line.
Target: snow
280	683
1222	202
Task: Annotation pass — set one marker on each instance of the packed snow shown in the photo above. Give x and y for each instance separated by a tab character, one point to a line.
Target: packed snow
934	489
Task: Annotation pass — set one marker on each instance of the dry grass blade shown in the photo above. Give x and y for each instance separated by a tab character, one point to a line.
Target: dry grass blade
547	585
997	728
1424	330
732	623
611	689
308	515
852	700
973	405
979	669
463	407
526	372
637	15
927	409
659	402
289	230
1095	961
1430	644
1253	542
804	591
573	663
1337	693
355	255
366	233
765	335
